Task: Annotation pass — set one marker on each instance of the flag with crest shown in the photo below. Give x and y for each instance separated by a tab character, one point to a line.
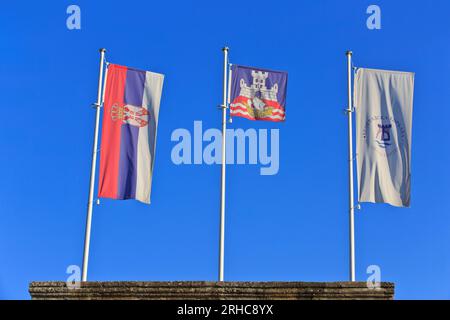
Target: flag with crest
258	94
384	104
130	121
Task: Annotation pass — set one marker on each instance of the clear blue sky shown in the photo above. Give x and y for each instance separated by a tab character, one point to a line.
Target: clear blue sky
290	227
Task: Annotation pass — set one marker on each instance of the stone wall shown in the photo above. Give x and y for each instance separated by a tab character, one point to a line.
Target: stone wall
192	290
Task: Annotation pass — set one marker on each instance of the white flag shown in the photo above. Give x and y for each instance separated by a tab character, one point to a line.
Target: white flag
384	103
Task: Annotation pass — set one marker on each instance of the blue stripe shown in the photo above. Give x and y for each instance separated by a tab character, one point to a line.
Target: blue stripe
134	90
128	162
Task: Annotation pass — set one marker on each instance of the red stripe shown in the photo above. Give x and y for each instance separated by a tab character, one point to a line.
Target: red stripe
239	108
244	100
110	146
251	118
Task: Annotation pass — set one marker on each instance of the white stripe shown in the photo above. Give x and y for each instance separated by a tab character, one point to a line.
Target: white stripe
147	136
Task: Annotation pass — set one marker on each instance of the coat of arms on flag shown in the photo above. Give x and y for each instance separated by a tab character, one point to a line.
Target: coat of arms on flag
130	121
258	94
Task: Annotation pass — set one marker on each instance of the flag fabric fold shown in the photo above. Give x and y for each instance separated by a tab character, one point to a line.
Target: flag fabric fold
258	94
384	104
129	126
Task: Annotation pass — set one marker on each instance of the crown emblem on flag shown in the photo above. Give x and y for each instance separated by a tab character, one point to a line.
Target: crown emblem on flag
133	115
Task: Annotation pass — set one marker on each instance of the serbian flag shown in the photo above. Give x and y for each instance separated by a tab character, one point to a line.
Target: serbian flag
258	94
130	120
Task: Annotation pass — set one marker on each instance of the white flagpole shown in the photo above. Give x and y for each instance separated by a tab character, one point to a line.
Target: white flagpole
222	195
350	168
97	105
230	74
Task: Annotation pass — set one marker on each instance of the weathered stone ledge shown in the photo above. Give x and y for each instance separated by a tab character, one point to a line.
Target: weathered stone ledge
195	290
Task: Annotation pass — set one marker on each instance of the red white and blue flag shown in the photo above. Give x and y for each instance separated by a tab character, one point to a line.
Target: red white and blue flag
258	94
130	121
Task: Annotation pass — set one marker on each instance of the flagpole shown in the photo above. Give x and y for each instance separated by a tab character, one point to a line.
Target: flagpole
350	167
222	194
97	105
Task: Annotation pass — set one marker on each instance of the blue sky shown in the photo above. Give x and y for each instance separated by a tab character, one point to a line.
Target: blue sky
292	226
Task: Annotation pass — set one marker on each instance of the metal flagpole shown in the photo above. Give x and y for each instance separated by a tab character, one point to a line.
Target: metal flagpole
222	195
230	74
350	167
97	105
